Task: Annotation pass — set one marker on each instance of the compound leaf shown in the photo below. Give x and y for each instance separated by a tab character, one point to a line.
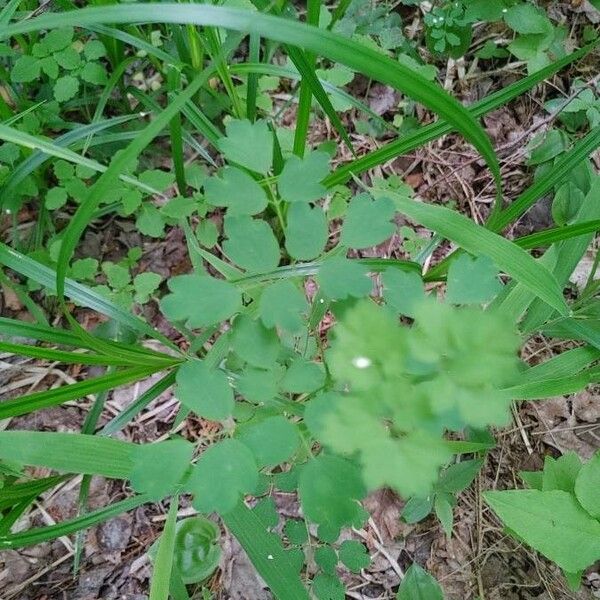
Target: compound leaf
200	301
248	144
223	473
204	390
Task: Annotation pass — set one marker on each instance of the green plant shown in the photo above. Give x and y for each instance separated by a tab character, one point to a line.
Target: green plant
330	414
559	514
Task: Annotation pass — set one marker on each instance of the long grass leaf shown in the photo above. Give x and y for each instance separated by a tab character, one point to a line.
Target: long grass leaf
9	134
77	292
333	46
43	534
477	240
74	391
266	553
565	164
163	564
137	406
68	452
73	358
429	133
37	158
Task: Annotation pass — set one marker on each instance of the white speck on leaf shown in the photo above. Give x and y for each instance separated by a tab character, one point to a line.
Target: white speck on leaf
361	362
270	557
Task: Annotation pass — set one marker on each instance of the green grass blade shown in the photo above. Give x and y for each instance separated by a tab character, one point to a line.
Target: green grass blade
68	452
110	85
585	330
429	133
563	365
77	292
73	358
266	553
137	406
38	158
311	86
8	11
305	63
557	234
332	46
9	134
12	494
104	183
161	577
561	259
252	81
195	117
74	391
136	42
175	130
566	163
281	71
477	240
43	534
549	388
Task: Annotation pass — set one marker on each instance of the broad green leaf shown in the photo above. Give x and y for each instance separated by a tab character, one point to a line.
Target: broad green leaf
330	489
253	342
587	486
327	586
65	88
303	376
236	190
418	584
459	476
339	278
204	390
158	468
58	38
144	284
368	221
551	522
417	508
258	385
248	144
283	305
443	508
26	68
200	301
197	549
354	555
272	441
472	280
68	452
94	73
251	244
403	290
479	241
326	558
300	179
223	474
561	473
296	531
526	18
306	232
